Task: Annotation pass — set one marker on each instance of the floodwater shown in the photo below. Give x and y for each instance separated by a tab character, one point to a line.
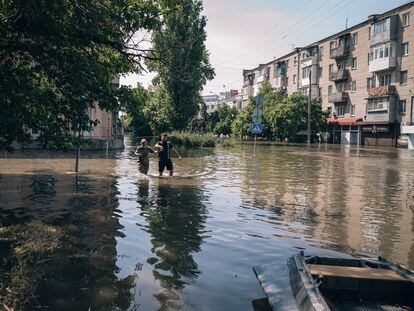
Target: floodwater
109	239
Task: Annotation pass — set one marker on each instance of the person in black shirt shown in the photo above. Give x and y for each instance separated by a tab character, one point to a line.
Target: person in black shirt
164	148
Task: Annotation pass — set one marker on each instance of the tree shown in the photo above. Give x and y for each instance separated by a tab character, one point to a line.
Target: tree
290	116
160	111
134	102
182	63
222	119
242	125
59	57
200	123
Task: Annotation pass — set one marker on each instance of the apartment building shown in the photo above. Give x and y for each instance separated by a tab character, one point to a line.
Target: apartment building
363	75
211	102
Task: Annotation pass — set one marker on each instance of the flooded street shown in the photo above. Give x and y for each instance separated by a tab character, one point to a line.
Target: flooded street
114	240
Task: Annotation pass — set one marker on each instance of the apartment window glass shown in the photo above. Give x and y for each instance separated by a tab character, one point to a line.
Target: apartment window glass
295	60
406	19
305	72
340	87
385	79
340	110
403	106
355	38
354	63
353	86
370	83
380	26
332	45
320	72
321	51
294	79
403	77
377	104
320	92
329	89
330	68
404	49
353	110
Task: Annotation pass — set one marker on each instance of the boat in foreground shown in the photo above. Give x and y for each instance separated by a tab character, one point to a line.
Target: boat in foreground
325	283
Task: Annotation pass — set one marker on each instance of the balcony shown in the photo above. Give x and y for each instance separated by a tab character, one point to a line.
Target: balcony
340	51
407	128
383	111
309	61
381	91
390	33
339	97
382	63
339	75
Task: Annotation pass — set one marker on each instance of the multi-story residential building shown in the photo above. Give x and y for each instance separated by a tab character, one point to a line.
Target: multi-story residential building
363	75
211	102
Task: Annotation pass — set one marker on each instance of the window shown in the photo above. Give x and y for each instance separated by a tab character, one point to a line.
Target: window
406	19
404	49
321	51
287	81
294	79
342	64
377	104
403	106
320	72
340	111
380	26
403	77
305	72
329	89
332	45
353	86
340	87
287	63
330	68
355	38
370	83
352	110
320	92
295	60
385	79
354	63
212	107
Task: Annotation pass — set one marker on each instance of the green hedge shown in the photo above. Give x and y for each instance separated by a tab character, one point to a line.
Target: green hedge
193	139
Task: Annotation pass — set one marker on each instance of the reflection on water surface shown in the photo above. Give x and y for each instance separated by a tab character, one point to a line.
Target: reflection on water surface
109	239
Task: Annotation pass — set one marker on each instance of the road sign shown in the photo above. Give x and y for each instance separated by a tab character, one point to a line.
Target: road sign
257	128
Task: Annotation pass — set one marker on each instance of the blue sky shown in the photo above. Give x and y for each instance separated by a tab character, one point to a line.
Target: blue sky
243	33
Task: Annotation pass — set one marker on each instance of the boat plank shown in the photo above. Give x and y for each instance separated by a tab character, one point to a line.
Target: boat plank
356	273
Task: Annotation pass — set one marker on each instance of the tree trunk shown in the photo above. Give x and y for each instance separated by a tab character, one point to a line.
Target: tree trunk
77	159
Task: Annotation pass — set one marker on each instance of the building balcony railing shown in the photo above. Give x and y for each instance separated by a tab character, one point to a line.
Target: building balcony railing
339	97
380	37
340	51
339	75
382	91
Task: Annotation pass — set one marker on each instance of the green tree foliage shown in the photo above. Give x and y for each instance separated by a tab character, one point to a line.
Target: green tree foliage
160	111
58	57
283	118
183	66
290	116
134	102
242	125
222	119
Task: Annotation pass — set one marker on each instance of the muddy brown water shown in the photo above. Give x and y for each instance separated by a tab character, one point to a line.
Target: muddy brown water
189	243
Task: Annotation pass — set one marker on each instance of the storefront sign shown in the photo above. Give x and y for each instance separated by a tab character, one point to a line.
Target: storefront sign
376	128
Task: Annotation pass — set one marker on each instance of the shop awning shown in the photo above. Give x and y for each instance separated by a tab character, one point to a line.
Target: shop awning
343	121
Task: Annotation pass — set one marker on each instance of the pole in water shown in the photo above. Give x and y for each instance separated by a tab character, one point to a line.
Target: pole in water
107	147
254	148
309	108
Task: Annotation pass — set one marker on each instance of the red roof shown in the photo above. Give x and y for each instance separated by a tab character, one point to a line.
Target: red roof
343	121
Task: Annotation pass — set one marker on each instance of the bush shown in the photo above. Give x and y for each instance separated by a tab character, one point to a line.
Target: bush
193	139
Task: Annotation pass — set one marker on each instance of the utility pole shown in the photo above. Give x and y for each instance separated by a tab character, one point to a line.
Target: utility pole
309	107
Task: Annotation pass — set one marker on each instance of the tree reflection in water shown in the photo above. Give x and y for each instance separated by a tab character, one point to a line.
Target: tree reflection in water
176	222
60	251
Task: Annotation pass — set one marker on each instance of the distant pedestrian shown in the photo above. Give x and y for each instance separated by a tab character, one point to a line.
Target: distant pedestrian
164	148
143	152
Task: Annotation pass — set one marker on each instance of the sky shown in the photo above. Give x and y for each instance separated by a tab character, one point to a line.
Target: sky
244	33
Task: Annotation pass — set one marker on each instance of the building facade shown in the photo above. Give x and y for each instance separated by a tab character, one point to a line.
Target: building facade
363	75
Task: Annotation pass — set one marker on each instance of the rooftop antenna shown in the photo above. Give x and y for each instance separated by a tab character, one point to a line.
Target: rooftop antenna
293	47
346	23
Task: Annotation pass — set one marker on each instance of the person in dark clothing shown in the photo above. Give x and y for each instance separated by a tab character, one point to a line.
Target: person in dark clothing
164	148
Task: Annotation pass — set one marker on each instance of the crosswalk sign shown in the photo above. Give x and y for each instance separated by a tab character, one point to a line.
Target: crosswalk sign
257	128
